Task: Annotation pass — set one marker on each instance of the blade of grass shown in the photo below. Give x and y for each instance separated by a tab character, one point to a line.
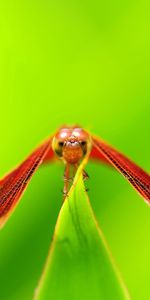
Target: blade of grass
79	264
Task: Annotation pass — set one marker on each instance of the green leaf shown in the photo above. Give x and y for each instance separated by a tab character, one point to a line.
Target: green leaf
79	264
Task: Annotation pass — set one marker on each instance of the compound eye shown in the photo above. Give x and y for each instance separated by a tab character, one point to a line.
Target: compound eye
57	146
61	144
84	146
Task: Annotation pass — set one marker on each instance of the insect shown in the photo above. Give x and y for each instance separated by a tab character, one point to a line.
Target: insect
70	144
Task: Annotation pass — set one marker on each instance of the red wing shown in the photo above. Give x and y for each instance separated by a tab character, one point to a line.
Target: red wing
138	178
13	184
49	156
96	154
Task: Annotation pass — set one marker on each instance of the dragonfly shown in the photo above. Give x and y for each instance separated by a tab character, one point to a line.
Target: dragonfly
70	144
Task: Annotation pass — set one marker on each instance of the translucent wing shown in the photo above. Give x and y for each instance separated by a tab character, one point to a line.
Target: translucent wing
13	184
96	154
138	178
49	156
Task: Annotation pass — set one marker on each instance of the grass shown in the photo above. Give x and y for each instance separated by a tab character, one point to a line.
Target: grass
79	259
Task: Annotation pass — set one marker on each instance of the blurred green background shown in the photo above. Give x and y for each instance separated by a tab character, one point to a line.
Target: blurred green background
74	62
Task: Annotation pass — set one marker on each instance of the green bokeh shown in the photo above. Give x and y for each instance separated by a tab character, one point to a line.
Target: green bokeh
74	62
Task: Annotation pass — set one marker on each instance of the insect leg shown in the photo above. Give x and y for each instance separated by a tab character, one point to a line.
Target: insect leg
66	180
85	175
